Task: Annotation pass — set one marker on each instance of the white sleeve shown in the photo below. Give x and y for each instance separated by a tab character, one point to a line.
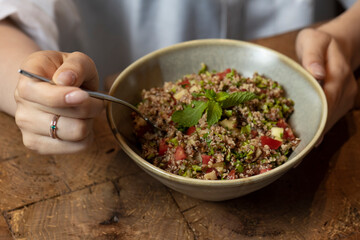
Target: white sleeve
36	18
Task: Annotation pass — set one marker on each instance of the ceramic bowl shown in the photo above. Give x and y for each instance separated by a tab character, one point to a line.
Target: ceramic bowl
171	63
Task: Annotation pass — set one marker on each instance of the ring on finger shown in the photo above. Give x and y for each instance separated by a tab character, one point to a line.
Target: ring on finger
53	126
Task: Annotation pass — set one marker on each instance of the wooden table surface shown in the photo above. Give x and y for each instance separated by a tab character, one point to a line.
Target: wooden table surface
102	194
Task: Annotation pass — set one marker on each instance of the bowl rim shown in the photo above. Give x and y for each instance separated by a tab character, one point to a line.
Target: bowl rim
218	183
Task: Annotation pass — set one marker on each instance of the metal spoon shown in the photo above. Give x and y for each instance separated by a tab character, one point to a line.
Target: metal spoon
97	95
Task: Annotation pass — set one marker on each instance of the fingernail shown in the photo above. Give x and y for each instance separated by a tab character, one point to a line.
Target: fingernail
317	70
76	97
66	78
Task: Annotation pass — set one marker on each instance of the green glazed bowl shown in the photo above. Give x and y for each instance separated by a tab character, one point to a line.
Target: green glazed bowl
171	63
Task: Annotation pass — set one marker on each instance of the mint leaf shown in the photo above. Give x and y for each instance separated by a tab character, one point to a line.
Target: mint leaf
190	116
210	94
236	98
221	96
214	112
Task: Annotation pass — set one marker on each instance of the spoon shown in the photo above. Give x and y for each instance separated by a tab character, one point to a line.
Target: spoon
97	95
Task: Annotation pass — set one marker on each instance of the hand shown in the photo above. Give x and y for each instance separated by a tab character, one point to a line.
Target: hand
38	102
326	59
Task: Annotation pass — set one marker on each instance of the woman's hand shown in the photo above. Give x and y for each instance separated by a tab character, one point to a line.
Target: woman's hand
327	60
38	102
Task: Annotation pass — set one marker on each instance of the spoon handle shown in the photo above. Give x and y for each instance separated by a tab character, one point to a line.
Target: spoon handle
107	97
32	75
93	94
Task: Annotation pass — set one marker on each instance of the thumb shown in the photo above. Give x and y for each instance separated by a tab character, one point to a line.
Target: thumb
77	69
311	48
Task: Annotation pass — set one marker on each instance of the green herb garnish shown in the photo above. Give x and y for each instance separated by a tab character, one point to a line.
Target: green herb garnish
203	68
192	113
190	116
236	98
196	168
213	112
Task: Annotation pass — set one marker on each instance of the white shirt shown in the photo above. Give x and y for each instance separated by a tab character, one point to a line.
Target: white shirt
114	33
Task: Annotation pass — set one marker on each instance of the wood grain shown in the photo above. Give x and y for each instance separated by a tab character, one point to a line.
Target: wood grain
126	209
70	216
317	200
32	177
9	139
4	229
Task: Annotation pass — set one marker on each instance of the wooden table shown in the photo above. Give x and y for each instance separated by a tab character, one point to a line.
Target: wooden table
101	194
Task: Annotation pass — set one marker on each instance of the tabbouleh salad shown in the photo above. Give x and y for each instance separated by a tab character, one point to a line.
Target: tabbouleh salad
219	125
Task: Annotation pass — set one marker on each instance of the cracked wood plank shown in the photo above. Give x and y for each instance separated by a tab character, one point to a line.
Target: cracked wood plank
150	209
137	208
27	180
33	177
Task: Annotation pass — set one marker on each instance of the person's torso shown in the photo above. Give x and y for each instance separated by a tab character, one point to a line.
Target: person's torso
117	32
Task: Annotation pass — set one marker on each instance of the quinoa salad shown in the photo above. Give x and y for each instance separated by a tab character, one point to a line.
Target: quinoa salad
218	125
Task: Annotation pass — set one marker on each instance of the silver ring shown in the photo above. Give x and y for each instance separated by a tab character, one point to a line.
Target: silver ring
53	126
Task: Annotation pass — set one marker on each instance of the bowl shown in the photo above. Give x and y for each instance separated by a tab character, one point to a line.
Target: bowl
173	62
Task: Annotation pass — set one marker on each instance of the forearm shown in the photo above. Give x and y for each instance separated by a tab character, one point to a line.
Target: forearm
346	31
15	46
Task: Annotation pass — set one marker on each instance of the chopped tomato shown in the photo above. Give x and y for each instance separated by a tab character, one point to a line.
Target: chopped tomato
180	153
185	83
210	170
205	159
190	130
288	133
231	174
281	123
223	74
264	170
272	143
163	147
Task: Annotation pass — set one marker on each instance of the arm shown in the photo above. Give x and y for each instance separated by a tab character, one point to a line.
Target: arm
15	47
331	54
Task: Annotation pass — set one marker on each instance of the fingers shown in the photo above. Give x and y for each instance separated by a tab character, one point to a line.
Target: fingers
77	69
61	100
73	134
66	69
325	59
340	86
67	129
38	102
46	145
310	47
68	101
